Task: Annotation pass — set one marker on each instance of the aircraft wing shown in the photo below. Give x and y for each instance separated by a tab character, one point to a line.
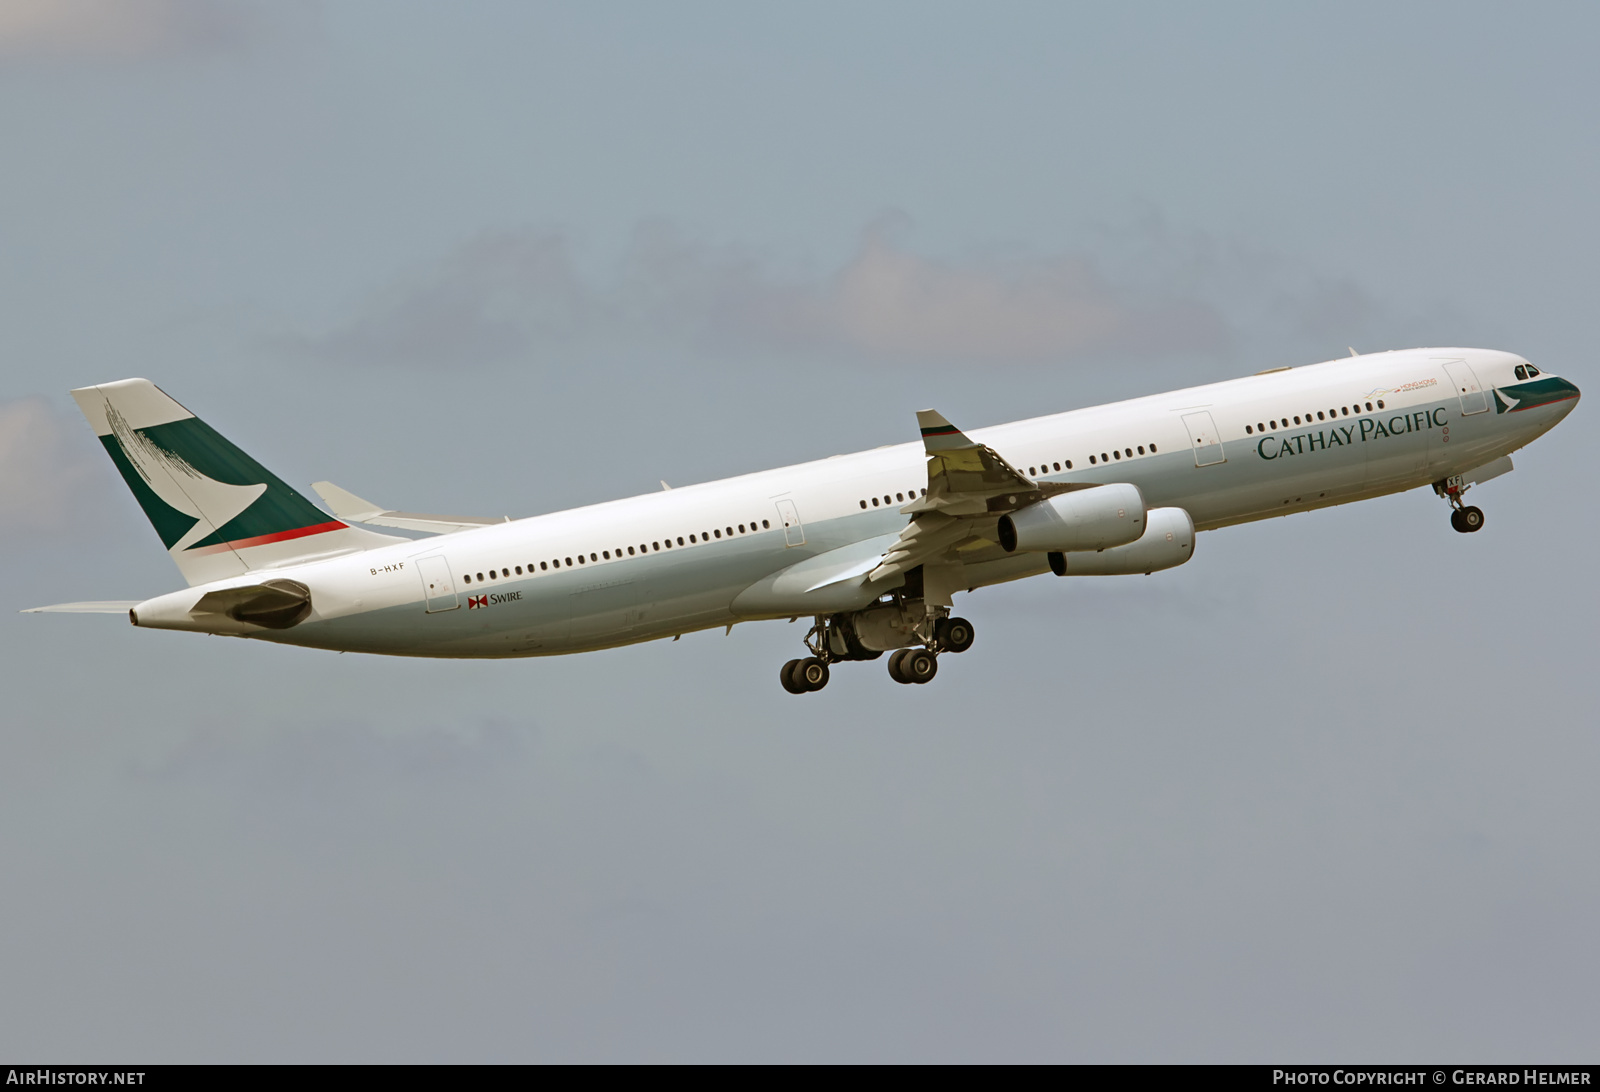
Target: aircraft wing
970	485
352	509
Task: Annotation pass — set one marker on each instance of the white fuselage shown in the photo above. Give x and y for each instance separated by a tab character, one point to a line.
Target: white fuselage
679	560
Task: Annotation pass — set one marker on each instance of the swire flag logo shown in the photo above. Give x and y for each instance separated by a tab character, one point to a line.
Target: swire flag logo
476	601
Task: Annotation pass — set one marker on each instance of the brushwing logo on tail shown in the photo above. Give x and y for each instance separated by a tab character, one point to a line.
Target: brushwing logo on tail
203	494
179	485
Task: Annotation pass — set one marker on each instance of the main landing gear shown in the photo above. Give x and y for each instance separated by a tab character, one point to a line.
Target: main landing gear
1464	518
837	638
800	676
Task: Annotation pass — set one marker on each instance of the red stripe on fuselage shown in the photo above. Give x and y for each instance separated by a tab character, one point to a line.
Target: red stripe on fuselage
262	540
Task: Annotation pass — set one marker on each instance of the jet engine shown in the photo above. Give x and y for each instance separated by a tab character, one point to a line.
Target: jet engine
1085	519
1168	541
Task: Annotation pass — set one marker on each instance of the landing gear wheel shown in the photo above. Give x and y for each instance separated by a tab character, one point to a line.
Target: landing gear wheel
919	665
811	674
786	677
1471	519
895	659
953	634
1455	521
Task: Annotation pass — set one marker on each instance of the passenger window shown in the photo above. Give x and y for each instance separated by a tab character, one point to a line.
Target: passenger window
480	578
1058	466
741	528
901	497
1118	454
730	532
607	554
874	502
630	552
680	539
1091	460
718	534
544	566
1297	418
1346	410
765	524
1128	451
863	504
656	546
1369	407
1247	431
519	570
1033	471
466	578
1069	464
1380	403
1141	449
1104	457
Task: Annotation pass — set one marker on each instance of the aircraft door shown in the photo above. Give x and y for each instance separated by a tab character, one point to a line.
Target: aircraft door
437	586
1206	440
1468	389
793	533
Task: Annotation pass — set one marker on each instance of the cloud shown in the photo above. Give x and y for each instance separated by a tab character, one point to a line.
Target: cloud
43	479
890	303
489	300
119	28
508	292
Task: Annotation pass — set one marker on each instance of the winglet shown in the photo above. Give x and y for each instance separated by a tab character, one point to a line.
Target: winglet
939	434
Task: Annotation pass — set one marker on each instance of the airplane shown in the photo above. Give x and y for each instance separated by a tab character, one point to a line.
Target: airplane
872	546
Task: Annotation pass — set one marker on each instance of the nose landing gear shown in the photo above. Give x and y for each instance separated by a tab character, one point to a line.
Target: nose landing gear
1464	518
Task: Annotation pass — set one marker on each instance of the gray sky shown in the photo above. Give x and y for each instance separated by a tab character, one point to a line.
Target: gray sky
1326	793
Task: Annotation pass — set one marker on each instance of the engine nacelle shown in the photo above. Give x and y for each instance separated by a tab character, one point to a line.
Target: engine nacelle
1086	519
1168	541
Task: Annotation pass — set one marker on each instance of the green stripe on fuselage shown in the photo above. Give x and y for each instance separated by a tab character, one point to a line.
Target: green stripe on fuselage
1537	392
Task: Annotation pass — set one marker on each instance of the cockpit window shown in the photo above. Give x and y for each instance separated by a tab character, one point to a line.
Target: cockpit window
1522	371
1532	371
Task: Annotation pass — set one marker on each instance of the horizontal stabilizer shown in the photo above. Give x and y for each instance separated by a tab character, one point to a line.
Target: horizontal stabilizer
99	606
347	506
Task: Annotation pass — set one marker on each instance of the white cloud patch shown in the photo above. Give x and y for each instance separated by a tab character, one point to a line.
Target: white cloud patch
43	479
507	292
890	303
118	28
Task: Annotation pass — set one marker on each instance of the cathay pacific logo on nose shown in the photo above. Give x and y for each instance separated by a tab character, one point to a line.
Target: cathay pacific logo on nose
1539	392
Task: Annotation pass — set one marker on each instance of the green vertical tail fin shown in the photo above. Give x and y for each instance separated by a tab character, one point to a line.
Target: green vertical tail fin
218	511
